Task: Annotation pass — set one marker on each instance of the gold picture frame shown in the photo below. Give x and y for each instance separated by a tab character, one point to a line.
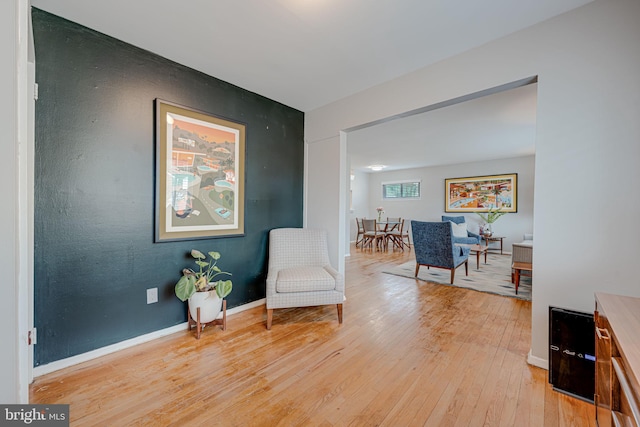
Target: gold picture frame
199	174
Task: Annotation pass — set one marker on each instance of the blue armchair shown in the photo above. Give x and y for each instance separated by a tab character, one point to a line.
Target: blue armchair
434	247
471	239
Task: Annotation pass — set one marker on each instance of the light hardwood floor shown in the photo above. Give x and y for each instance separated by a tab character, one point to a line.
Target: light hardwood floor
409	353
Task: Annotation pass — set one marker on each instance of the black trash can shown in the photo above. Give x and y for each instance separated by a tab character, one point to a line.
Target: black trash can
572	352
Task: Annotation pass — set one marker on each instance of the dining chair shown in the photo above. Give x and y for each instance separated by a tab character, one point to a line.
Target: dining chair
372	235
360	235
390	229
404	235
392	224
398	236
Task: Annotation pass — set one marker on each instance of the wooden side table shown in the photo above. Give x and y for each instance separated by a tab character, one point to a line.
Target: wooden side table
518	268
477	250
488	239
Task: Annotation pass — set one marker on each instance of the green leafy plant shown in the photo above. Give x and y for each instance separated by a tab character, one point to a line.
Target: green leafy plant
203	279
491	216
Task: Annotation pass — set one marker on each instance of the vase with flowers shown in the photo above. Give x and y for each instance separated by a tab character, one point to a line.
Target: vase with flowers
491	217
380	211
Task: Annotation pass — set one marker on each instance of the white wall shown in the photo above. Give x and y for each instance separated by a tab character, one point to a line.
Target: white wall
430	206
587	144
319	179
360	202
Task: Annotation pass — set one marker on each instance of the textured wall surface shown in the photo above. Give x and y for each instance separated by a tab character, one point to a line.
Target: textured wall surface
95	254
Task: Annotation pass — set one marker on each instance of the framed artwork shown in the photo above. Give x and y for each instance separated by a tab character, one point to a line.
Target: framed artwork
199	174
482	193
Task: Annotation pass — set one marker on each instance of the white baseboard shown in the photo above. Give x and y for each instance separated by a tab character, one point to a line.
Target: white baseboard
94	354
537	361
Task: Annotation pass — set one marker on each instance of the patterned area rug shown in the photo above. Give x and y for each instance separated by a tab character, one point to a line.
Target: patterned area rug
493	277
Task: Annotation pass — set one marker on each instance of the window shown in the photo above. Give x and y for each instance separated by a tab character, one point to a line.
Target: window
401	190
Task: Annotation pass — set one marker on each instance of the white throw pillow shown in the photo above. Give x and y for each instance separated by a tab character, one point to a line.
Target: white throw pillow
459	230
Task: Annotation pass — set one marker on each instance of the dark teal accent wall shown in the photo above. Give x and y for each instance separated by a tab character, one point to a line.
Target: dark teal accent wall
95	254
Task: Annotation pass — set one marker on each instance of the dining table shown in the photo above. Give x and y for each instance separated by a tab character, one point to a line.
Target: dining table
387	226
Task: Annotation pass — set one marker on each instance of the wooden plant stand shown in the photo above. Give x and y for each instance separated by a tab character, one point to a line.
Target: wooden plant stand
200	326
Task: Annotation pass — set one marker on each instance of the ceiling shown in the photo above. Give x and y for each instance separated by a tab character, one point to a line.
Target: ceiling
497	126
309	53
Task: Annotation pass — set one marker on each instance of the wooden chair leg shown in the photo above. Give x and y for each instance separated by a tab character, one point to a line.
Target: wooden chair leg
408	243
395	243
339	313
517	280
269	318
417	268
367	243
466	270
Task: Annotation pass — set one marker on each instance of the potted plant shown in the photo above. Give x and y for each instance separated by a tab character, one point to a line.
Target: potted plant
491	216
200	289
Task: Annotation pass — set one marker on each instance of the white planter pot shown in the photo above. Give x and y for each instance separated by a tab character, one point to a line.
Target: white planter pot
210	306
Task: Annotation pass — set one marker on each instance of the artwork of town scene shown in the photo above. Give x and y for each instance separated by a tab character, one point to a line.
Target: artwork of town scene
481	194
201	174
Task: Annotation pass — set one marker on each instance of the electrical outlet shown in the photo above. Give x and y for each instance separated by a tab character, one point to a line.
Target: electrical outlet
152	295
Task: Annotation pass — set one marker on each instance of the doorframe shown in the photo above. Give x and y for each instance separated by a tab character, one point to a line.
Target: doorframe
25	106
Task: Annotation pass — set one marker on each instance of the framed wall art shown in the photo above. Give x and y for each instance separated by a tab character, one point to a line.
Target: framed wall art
482	193
199	174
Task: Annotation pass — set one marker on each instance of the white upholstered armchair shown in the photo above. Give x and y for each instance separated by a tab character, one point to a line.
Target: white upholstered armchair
299	273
